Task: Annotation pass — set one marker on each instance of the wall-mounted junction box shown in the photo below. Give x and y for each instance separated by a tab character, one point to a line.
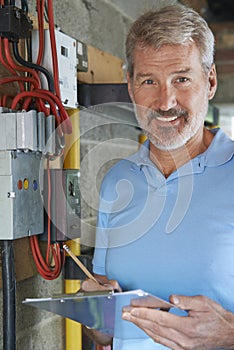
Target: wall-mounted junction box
65	206
21	206
67	63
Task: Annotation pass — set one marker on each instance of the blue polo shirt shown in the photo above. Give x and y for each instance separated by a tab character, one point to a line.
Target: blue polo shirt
167	236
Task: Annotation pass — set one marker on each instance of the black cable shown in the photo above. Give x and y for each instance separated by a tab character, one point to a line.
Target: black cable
24	5
46	12
8	287
33	66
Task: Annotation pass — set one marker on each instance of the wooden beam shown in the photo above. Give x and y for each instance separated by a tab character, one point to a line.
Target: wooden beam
24	263
102	68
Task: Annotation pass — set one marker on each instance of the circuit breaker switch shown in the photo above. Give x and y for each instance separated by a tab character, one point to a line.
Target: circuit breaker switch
50	134
41	131
27	130
8	129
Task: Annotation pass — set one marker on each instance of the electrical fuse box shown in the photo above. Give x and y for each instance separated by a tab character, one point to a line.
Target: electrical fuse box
65	207
21	205
67	62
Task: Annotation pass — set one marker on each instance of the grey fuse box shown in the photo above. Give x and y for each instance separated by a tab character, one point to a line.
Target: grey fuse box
21	206
65	207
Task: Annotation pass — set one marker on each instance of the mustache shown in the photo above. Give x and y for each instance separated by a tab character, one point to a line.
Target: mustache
173	112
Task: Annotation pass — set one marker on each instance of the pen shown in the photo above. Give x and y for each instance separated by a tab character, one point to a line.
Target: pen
79	263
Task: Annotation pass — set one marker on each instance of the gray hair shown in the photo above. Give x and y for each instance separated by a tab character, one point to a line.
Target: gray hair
171	25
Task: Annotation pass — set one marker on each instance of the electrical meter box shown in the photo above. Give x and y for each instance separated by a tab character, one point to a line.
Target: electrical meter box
67	64
21	205
65	206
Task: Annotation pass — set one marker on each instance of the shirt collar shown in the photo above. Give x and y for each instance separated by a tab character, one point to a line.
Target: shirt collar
220	151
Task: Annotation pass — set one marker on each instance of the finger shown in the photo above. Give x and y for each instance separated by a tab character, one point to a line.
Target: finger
158	317
194	303
204	304
151	302
127	309
115	285
90	286
160	334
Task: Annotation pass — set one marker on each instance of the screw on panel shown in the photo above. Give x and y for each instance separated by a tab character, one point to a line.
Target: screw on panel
11	194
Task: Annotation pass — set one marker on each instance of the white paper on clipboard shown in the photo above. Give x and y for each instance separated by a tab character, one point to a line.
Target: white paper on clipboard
98	310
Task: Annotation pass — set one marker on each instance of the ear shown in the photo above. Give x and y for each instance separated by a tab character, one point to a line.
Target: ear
129	80
212	82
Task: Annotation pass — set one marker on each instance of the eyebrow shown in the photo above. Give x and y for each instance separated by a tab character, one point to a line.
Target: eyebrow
143	75
180	71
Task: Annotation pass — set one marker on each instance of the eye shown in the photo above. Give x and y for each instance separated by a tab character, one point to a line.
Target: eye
182	80
148	82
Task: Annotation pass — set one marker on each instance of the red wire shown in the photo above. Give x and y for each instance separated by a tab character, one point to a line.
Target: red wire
16	78
40	16
53	250
46	272
40	96
11	79
53	47
52	100
55	107
14	67
8	66
37	94
4	63
18	67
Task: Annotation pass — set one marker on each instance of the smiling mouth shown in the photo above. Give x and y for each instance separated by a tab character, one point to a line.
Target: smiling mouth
171	116
167	119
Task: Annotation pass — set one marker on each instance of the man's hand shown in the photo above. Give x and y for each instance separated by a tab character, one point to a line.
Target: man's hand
90	286
208	325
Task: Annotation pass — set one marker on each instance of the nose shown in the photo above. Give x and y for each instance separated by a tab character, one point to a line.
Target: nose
166	98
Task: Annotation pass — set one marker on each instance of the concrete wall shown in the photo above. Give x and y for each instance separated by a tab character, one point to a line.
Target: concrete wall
101	23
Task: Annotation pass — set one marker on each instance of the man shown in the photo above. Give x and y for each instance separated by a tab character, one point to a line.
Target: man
166	219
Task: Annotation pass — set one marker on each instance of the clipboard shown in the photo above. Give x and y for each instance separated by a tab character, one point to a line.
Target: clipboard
101	311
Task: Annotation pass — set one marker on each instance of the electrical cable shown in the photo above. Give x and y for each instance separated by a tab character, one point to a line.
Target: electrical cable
33	66
40	18
8	287
7	80
53	250
16	66
46	13
52	100
7	65
41	95
26	74
24	6
53	47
